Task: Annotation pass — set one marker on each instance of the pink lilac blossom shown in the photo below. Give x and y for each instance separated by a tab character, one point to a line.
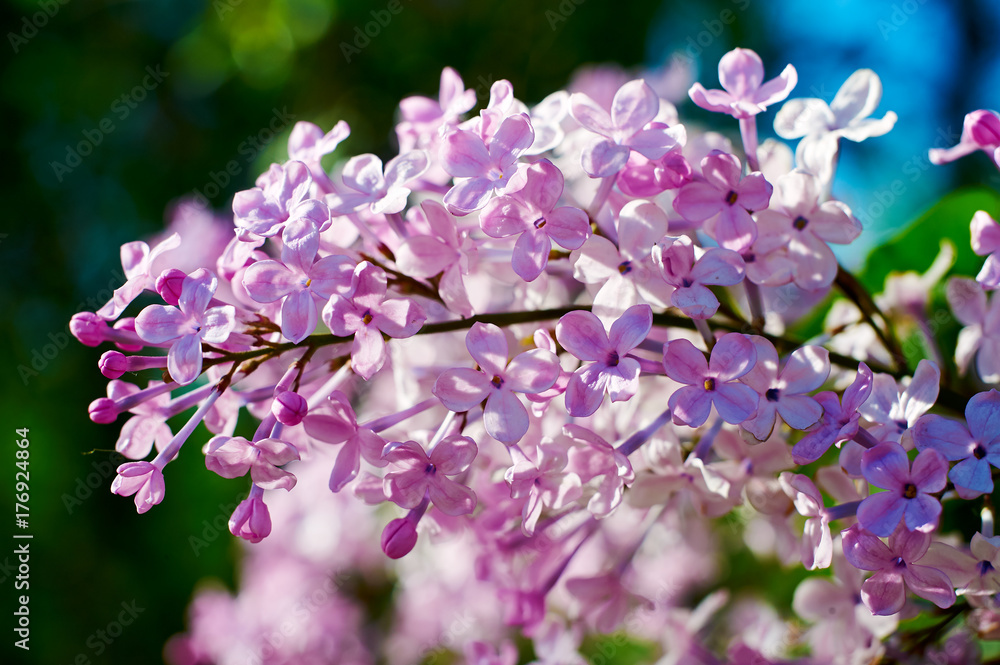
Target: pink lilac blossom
840	418
531	214
724	199
799	222
784	393
367	314
625	129
986	242
893	412
714	382
482	170
299	281
365	183
744	94
137	262
980	131
675	257
188	325
624	271
974	444
497	381
846	116
980	338
414	473
897	568
281	196
607	367
908	496
559	514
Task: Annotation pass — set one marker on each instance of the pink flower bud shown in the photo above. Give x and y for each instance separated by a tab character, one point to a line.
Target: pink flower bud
289	408
168	285
113	364
88	328
251	519
398	538
103	410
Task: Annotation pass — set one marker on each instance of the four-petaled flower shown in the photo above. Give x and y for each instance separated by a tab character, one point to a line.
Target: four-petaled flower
137	261
187	325
299	280
784	393
741	73
233	456
974	444
846	116
365	183
724	200
496	381
839	421
546	484
895	564
281	196
712	382
338	424
144	480
675	257
625	129
368	314
801	225
909	490
481	171
606	368
415	473
531	214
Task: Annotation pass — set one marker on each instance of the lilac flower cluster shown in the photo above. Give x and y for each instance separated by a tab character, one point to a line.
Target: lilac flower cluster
546	349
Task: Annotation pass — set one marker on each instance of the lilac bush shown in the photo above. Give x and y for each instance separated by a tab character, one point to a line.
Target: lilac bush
423	349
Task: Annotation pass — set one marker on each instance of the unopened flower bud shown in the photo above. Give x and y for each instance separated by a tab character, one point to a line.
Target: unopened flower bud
251	519
398	538
289	408
169	284
89	328
113	364
103	410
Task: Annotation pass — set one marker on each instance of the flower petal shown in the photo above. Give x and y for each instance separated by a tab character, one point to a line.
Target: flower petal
505	418
461	389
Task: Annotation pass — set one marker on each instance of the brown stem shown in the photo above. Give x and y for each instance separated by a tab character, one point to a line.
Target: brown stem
858	294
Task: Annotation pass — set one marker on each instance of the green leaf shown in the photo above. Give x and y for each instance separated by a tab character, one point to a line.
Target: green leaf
916	247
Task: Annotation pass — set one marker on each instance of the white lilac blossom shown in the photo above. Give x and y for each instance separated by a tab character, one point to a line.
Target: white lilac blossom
375	328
